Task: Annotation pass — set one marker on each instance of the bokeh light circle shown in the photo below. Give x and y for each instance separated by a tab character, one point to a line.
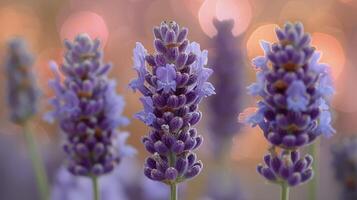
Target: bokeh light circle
205	17
332	52
345	97
265	32
238	10
85	22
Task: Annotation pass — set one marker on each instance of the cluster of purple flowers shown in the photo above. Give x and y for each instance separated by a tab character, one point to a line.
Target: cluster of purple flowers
23	93
345	166
87	108
288	166
292	86
294	89
173	81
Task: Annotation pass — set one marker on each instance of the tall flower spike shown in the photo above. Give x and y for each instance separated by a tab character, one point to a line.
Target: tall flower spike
227	65
294	90
22	90
173	81
23	96
345	166
87	108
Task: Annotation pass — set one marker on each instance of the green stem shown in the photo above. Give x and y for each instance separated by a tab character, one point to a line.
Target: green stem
284	195
173	185
173	195
37	163
313	183
95	188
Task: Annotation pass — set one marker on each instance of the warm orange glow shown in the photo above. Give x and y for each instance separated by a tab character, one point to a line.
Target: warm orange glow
325	21
346	1
85	22
332	52
295	11
243	116
42	69
19	21
345	98
264	32
206	15
249	144
239	10
192	5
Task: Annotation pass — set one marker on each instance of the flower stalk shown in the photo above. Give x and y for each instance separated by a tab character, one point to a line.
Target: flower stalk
37	163
95	186
173	81
294	91
173	191
88	110
23	95
284	192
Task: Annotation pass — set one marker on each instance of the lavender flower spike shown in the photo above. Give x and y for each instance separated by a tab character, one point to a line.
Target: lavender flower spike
228	67
173	81
87	108
294	90
23	96
23	93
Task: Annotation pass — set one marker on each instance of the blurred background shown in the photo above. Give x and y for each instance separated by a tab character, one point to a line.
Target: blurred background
120	23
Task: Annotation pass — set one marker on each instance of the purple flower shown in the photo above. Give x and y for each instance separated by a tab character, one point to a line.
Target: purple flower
288	167
166	78
345	166
203	88
294	90
87	108
147	116
175	81
228	64
297	99
139	65
22	90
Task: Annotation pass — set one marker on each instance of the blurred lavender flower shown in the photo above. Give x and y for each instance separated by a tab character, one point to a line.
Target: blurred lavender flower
223	185
228	65
22	90
70	187
87	108
172	88
345	166
294	90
